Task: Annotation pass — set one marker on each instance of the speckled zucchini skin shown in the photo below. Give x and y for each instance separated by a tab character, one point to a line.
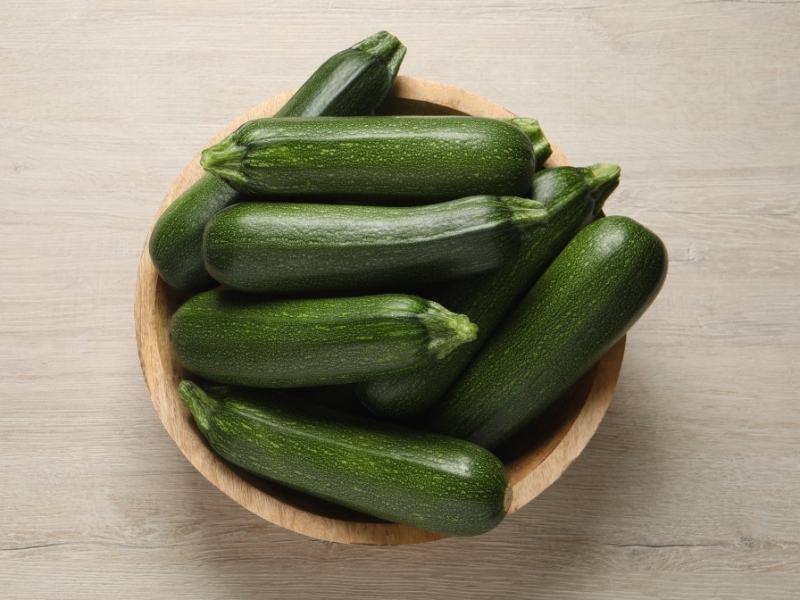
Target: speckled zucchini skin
353	82
176	241
428	481
572	197
389	160
594	291
340	397
242	339
282	248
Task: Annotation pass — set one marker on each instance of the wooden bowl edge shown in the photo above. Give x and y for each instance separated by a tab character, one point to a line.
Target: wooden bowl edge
179	423
579	433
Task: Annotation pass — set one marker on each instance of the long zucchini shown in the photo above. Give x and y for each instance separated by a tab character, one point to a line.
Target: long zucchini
341	397
353	82
594	291
243	339
281	248
572	196
382	159
428	481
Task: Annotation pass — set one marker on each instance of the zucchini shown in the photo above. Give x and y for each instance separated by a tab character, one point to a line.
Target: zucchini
283	248
572	196
177	237
424	480
340	397
242	339
594	291
377	160
353	82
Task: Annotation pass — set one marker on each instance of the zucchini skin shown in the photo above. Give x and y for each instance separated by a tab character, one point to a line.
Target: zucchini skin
355	81
176	242
594	291
339	397
424	480
352	82
288	248
382	159
247	340
572	196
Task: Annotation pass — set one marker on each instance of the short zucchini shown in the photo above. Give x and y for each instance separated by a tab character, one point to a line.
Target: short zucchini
428	481
594	291
379	160
243	339
283	248
572	197
353	82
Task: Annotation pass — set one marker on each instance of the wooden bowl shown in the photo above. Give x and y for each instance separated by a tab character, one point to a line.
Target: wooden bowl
534	459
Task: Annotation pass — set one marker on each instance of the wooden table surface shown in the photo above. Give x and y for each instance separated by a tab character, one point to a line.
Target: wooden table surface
691	486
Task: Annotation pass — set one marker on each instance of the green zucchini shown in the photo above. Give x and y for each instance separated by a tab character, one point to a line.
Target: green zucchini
341	397
424	480
353	82
572	196
287	248
177	237
533	130
594	291
243	339
381	159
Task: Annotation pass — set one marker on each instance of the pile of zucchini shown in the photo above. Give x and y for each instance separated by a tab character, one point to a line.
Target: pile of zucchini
427	267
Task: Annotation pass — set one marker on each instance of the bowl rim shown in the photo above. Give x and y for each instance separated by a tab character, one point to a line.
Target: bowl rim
530	474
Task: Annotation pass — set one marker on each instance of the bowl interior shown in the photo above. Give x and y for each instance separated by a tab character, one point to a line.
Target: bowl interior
534	458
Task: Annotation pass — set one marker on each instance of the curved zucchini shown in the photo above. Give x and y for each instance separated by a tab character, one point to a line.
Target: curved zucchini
352	82
242	339
428	481
572	196
283	248
594	291
382	159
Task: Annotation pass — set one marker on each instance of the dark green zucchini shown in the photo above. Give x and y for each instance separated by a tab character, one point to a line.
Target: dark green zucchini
382	159
541	147
243	339
352	82
572	197
428	481
341	396
176	241
594	291
287	248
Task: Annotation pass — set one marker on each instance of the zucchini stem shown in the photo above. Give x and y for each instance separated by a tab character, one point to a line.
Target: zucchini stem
385	46
602	179
201	404
525	212
447	330
531	128
222	159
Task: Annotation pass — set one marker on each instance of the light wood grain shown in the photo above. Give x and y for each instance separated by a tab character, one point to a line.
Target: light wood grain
689	489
